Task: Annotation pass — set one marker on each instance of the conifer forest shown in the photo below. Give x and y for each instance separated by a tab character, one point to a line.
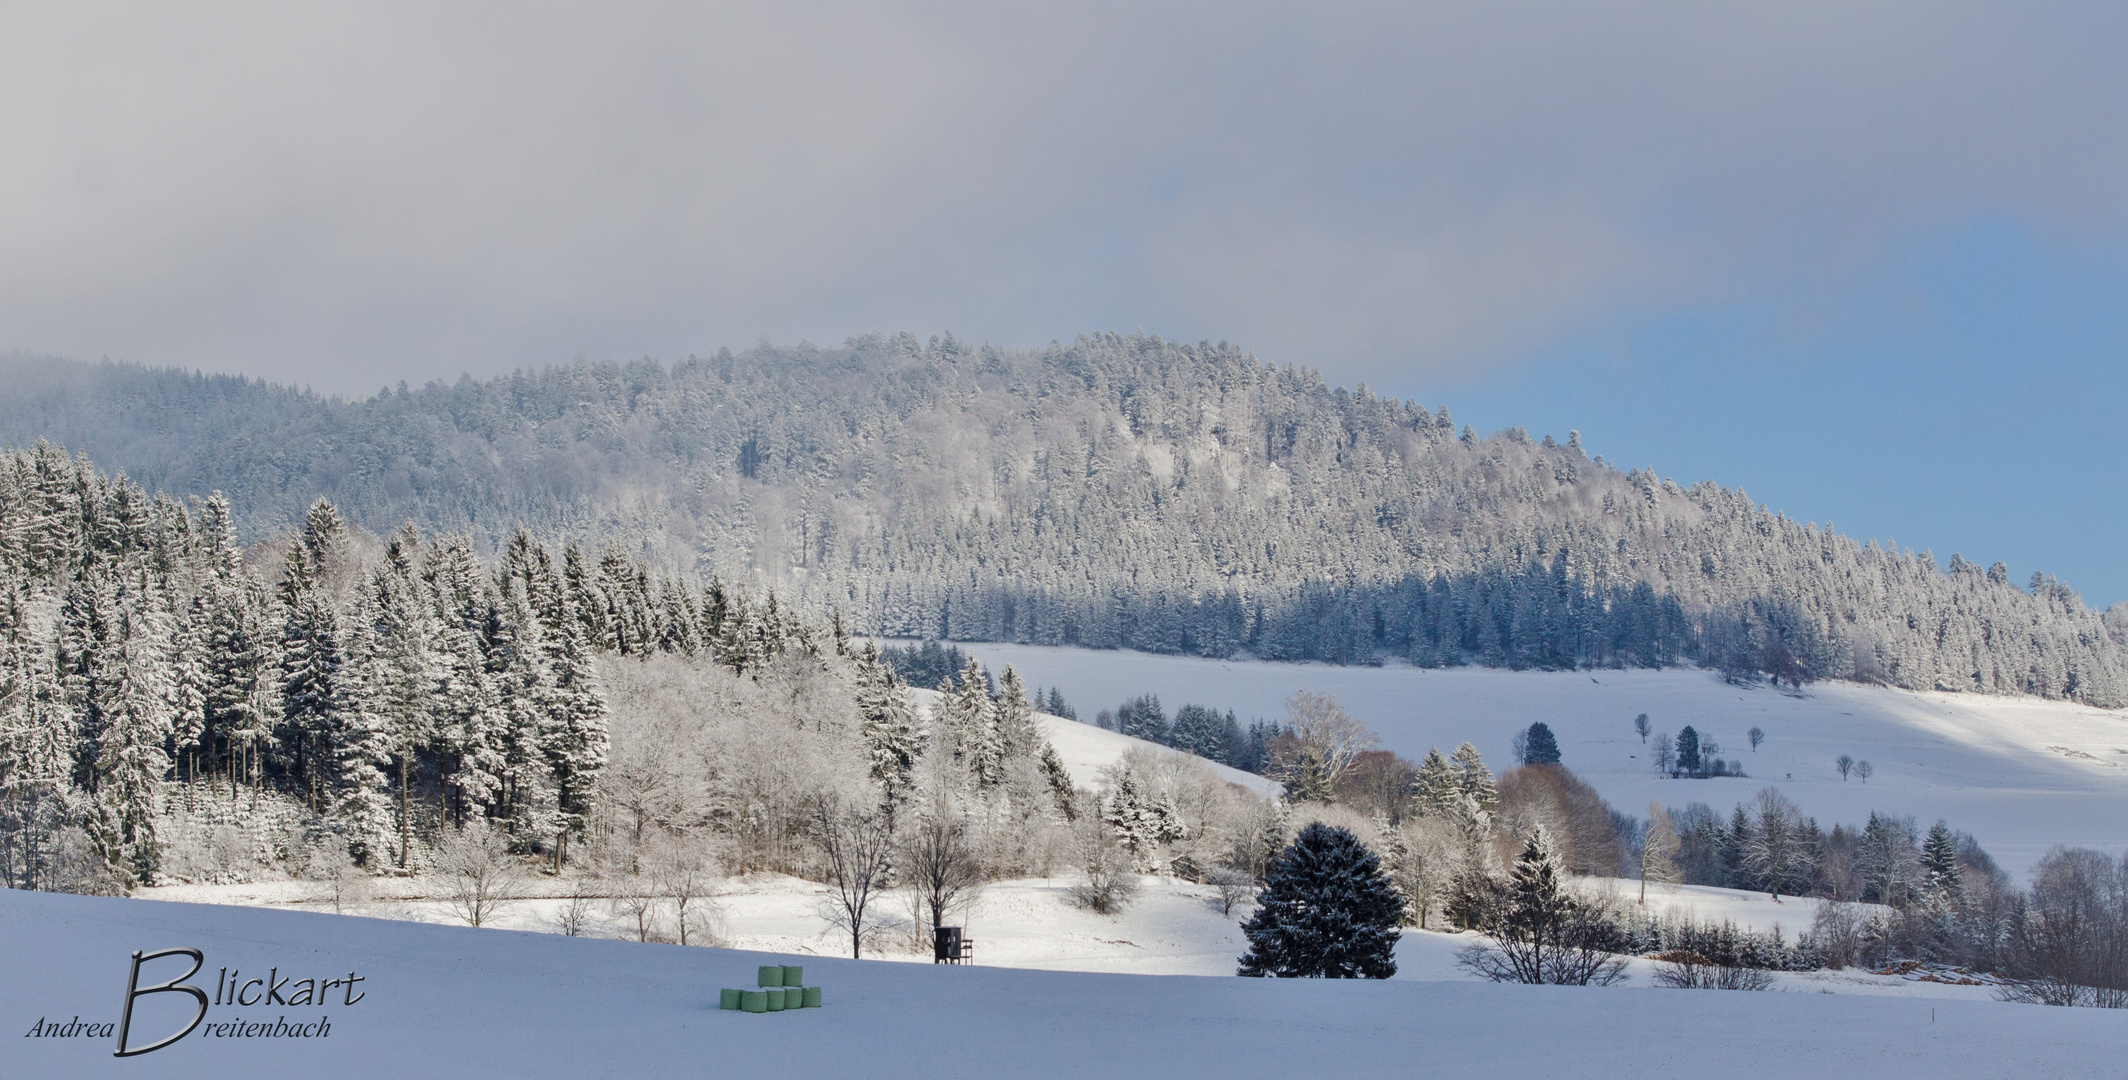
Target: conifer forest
1116	491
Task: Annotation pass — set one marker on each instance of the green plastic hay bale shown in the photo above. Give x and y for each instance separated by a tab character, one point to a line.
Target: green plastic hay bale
793	976
753	1000
812	997
778	999
728	999
771	975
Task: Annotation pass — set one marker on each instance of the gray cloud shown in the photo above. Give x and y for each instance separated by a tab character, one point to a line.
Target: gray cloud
396	191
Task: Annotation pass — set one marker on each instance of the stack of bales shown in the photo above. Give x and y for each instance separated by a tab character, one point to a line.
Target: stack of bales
780	987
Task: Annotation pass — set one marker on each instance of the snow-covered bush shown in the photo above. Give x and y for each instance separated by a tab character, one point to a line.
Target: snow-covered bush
1541	933
1108	872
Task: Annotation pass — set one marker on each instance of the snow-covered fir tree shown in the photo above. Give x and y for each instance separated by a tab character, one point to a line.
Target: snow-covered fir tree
1326	912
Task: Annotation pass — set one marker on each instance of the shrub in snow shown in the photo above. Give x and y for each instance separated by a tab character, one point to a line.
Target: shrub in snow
1543	935
1685	970
1110	879
1326	912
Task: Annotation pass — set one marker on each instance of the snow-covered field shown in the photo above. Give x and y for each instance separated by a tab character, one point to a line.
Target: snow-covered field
2018	773
456	1002
1174	928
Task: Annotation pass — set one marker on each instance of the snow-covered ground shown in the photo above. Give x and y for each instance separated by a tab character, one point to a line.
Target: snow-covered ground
1174	928
2020	774
456	1002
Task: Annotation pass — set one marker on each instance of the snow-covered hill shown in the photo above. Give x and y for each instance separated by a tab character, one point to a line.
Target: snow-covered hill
2021	774
455	1002
1086	749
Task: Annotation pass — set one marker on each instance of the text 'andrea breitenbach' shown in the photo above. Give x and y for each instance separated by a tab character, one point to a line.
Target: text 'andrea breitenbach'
230	988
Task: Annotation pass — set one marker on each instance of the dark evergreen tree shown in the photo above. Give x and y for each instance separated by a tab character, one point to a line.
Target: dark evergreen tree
1542	748
1142	718
1688	760
1327	912
1200	731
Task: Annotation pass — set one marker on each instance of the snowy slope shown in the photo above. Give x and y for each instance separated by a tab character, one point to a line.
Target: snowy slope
1174	928
2020	774
455	1002
1086	749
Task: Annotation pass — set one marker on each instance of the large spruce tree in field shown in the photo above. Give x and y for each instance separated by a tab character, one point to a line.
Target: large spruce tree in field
1327	912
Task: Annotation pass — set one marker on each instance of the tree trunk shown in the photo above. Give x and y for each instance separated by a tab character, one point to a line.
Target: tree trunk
406	814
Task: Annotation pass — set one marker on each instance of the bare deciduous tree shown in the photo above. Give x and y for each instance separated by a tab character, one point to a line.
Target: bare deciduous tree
2070	947
635	900
1845	763
685	871
1234	886
1109	878
1641	726
1323	742
1865	770
343	884
859	848
938	861
1836	932
574	916
480	876
1658	852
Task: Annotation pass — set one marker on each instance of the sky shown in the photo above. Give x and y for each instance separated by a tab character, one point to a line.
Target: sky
1864	260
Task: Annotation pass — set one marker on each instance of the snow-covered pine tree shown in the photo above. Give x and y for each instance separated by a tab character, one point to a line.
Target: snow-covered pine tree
242	700
892	738
470	721
971	717
130	762
1200	731
402	677
676	619
1326	912
1057	780
189	682
584	596
1434	789
523	692
1142	718
738	647
1016	733
84	662
1939	861
1473	779
576	741
312	692
360	805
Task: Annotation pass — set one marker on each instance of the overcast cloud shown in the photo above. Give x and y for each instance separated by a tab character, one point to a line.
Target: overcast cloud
385	191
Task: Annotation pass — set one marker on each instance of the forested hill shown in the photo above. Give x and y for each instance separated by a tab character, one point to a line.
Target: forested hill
1117	491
